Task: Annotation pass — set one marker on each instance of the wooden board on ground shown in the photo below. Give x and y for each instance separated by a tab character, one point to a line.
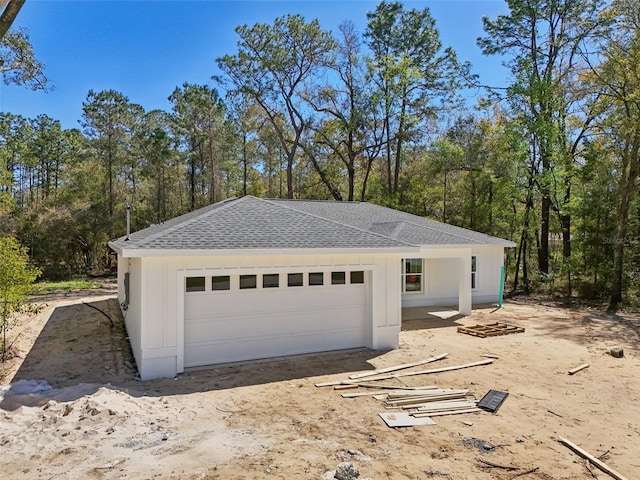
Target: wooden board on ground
401	419
446	412
577	369
596	461
491	330
398	367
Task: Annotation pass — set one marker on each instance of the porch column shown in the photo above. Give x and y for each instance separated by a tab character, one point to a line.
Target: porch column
464	284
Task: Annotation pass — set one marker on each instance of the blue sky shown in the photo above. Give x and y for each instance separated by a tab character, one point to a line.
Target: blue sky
146	48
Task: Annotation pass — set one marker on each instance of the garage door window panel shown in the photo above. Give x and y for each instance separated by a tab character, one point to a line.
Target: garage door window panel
295	280
271	280
248	282
195	284
221	282
356	277
316	278
338	278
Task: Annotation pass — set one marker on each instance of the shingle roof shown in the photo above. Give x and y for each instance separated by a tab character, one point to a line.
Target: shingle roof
252	223
394	223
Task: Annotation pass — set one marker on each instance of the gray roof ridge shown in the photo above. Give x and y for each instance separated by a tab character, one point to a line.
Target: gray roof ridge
284	204
221	205
436	230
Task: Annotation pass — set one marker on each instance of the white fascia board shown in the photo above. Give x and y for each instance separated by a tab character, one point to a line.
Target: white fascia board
165	252
115	248
451	246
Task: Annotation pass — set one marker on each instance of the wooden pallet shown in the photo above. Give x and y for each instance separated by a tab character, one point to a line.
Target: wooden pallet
490	330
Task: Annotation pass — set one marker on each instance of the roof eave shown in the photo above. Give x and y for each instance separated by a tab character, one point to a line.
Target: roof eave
186	252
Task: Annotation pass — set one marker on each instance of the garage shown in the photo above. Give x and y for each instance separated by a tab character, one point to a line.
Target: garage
229	318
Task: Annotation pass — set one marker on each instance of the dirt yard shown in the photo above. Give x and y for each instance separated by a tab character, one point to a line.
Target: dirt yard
267	420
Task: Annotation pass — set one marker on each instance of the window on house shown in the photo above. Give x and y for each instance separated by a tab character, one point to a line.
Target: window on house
294	280
221	282
316	278
338	278
474	272
357	277
412	275
271	280
248	281
194	284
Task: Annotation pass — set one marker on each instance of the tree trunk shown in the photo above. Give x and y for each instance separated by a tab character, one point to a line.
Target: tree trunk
627	189
9	15
363	193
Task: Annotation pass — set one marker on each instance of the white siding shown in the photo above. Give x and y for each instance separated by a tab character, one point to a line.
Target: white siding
160	330
444	274
133	313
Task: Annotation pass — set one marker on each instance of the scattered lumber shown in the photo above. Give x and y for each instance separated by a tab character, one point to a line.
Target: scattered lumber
446	412
345	387
405	374
419	400
577	369
461	404
398	367
594	460
433	370
384	393
489	355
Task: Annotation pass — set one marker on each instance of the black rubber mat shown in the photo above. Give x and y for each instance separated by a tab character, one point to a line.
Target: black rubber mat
492	400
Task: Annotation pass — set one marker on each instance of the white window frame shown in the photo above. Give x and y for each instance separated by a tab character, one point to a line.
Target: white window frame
404	277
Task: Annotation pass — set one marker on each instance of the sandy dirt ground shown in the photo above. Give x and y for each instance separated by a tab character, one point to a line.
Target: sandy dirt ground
267	419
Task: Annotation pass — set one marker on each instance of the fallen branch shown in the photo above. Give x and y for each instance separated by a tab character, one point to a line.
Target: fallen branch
598	463
554	413
534	469
489	464
587	464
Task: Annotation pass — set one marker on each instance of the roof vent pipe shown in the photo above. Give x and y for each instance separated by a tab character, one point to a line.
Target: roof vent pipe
128	220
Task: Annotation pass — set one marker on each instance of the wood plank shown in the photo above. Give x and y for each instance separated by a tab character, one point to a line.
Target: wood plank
447	412
345	387
398	367
433	370
427	398
577	369
597	462
446	405
369	393
372	393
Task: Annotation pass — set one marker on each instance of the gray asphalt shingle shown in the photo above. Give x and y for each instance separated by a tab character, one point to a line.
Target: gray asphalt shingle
252	223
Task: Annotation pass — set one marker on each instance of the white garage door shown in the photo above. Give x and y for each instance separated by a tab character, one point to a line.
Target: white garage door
252	323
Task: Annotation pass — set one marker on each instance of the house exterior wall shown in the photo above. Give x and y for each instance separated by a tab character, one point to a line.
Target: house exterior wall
133	312
448	271
155	317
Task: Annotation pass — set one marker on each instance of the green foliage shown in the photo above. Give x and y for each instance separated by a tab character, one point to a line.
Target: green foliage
550	163
16	279
18	63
